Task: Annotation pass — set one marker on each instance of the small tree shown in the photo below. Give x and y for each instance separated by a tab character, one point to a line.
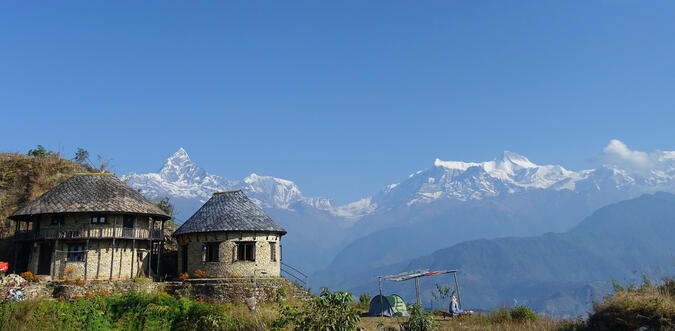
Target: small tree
441	293
81	156
166	206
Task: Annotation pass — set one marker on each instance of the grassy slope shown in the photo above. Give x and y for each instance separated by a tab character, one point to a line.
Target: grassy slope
24	178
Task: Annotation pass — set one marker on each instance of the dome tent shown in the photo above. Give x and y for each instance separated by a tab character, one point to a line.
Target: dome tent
390	306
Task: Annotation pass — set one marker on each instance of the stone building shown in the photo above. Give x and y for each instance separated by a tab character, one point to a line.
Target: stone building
230	236
91	226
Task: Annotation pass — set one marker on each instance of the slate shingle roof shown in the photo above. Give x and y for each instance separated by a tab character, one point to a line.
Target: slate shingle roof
103	193
229	211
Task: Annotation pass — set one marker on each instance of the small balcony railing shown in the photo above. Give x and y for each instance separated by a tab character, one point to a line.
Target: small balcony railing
92	233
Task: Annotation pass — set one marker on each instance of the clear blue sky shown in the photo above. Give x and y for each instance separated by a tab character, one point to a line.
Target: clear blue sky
342	97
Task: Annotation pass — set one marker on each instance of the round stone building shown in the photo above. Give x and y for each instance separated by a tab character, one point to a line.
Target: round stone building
230	236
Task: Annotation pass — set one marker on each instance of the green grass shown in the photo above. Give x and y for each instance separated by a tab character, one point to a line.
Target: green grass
131	311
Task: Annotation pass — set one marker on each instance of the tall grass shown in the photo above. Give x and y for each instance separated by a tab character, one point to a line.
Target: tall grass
130	311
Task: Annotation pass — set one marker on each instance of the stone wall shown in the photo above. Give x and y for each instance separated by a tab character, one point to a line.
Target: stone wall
228	265
100	258
236	289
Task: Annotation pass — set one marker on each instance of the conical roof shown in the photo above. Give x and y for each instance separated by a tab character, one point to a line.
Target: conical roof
229	211
102	193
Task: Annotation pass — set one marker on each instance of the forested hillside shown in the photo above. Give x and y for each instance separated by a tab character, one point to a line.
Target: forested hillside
559	273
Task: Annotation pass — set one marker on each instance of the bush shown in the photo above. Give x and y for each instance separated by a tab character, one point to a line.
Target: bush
500	315
29	277
199	273
418	320
328	311
523	314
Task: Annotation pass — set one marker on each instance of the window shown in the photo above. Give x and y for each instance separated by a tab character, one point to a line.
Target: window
76	253
57	219
246	251
210	252
273	251
98	219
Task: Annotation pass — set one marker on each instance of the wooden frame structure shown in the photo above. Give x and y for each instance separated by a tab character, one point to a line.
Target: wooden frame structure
417	274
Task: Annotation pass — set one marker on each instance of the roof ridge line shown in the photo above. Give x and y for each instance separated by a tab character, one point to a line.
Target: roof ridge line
222	192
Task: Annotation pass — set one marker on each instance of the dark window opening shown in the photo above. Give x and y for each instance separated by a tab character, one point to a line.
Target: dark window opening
273	251
98	219
76	253
210	252
128	222
57	219
246	251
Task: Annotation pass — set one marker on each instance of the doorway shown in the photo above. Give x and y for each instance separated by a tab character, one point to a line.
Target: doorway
45	259
184	258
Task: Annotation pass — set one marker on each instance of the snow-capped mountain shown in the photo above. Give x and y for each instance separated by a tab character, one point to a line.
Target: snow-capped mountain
184	181
512	173
189	186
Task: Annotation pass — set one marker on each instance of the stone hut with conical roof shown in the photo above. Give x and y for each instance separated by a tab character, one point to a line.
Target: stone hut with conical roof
230	236
91	226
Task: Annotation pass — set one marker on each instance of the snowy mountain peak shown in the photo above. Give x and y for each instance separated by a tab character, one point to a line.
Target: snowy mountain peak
179	168
508	159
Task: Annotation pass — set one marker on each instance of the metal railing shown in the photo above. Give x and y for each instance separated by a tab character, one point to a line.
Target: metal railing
92	233
297	275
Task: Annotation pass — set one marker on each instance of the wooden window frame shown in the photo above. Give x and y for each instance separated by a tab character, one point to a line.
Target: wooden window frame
243	251
211	252
273	251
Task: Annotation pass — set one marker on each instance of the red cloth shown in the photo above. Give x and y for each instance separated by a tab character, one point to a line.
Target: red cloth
4	266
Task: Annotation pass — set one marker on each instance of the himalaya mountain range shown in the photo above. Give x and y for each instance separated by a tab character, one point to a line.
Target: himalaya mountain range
345	246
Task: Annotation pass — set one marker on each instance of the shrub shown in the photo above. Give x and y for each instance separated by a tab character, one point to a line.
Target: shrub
500	315
328	311
523	314
79	281
29	277
199	273
418	320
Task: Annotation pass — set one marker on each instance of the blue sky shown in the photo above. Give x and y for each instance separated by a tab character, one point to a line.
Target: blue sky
341	97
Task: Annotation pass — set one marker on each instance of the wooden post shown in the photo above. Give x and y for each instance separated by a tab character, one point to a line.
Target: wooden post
159	253
98	247
152	227
381	306
16	245
56	244
112	252
459	296
133	248
86	252
417	291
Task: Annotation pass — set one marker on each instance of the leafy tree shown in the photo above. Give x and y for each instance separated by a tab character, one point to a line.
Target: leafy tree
442	292
166	206
40	151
